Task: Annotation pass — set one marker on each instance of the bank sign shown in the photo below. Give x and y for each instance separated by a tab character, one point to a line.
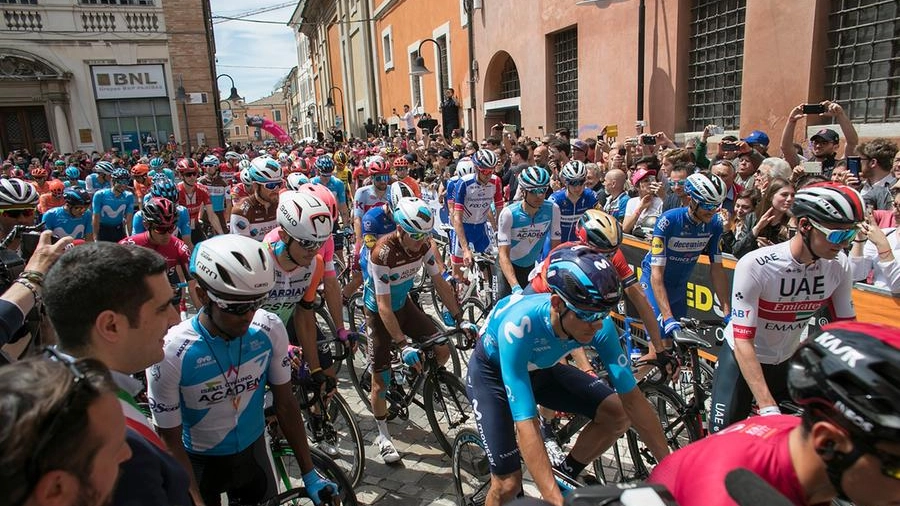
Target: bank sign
128	81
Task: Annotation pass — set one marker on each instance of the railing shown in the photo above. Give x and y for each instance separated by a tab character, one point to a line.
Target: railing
63	21
22	20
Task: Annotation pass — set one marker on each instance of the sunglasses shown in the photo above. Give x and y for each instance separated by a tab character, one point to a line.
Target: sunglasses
237	307
274	185
17	213
310	245
708	207
674	184
836	236
164	230
381	178
417	236
587	316
537	191
575	182
188	174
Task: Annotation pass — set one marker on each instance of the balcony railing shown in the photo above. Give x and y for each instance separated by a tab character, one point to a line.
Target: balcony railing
60	19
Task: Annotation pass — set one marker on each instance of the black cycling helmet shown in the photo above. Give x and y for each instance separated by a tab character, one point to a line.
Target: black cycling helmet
77	197
584	278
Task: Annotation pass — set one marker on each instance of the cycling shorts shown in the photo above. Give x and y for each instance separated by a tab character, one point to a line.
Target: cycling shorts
677	303
561	388
413	322
479	241
246	476
325	358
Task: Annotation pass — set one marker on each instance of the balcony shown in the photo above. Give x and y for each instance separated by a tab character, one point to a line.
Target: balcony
61	19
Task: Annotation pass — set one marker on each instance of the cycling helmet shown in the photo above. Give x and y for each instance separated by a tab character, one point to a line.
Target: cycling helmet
17	173
104	167
244	177
264	169
485	160
304	217
164	188
59	163
283	157
210	161
325	165
233	267
77	197
56	188
73	173
243	164
38	172
15	192
299	165
464	167
849	374
399	190
160	212
377	166
584	278
599	230
324	194
157	163
139	169
705	188
828	203
573	171
401	161
341	158
232	156
120	176
295	179
186	165
413	215
534	178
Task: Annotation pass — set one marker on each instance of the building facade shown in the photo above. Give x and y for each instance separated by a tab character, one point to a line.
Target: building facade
275	107
90	75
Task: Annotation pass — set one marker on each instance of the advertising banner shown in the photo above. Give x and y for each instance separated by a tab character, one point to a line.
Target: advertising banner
128	81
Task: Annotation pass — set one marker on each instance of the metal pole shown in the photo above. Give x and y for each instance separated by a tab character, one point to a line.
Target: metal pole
470	7
640	61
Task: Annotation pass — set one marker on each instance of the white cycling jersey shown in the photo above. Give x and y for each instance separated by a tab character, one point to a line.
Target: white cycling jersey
774	297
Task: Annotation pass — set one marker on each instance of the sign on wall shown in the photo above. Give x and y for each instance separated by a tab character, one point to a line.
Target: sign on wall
128	81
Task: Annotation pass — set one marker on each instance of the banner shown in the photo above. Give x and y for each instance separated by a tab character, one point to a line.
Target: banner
128	81
269	126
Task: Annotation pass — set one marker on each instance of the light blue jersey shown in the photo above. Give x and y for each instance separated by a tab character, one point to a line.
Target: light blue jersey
525	234
111	208
62	224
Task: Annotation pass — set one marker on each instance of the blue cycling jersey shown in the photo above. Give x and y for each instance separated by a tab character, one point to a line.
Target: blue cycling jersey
335	185
62	224
518	337
92	183
78	183
677	243
525	234
183	226
215	388
570	213
375	224
112	208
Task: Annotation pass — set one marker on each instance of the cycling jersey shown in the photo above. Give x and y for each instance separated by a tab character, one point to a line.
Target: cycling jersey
335	185
253	219
183	225
343	173
774	297
175	251
219	191
112	208
366	198
92	183
525	234
570	212
291	286
194	202
47	202
392	270
214	388
78	183
474	199
227	172
538	276
615	206
376	223
695	475
239	192
62	224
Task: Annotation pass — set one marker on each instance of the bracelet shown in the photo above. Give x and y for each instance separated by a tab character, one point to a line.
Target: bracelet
34	291
885	251
317	369
35	277
860	240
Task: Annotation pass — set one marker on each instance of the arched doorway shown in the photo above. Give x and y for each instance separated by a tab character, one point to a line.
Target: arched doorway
502	92
33	103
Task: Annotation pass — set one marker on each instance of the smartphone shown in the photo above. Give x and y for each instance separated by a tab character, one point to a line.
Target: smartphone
509	128
623	151
648	140
853	165
728	146
813	108
718	130
814	168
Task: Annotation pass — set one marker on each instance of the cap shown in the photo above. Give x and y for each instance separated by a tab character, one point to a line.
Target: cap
641	174
827	135
757	137
580	146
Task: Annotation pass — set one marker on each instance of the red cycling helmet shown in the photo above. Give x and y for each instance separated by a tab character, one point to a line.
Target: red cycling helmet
187	165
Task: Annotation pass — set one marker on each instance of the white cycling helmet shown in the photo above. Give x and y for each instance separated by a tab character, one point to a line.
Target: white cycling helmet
485	159
15	192
264	169
244	176
414	216
464	167
244	164
231	155
398	191
706	188
233	267
295	180
304	217
573	171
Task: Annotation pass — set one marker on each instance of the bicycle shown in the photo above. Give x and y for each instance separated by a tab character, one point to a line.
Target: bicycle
479	290
443	394
295	497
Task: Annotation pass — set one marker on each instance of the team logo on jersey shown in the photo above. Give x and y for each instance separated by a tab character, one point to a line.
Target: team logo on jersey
657	246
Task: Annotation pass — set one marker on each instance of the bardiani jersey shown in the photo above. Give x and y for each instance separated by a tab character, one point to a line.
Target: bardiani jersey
525	234
570	212
774	297
291	286
215	388
112	208
63	224
474	199
393	269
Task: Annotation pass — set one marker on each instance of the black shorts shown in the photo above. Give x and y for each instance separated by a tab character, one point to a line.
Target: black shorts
413	322
246	476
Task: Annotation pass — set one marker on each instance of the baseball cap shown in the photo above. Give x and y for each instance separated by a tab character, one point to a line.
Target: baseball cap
757	137
827	135
641	174
580	146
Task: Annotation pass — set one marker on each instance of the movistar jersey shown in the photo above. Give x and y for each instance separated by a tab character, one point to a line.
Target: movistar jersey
214	388
525	234
392	270
78	183
518	337
570	212
335	185
63	224
112	208
92	183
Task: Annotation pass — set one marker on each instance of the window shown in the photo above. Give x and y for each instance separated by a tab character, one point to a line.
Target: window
415	84
716	61
565	78
443	64
116	2
237	130
863	58
509	80
20	2
276	115
387	44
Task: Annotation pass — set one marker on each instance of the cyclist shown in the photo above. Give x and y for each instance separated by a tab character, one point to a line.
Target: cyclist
73	219
846	444
515	366
325	169
159	215
680	236
242	185
113	208
401	174
341	169
208	391
230	167
523	227
53	198
163	187
39	180
158	166
574	199
295	180
219	190
195	197
254	216
73	177
472	210
367	197
17	202
779	289
392	318
100	178
141	182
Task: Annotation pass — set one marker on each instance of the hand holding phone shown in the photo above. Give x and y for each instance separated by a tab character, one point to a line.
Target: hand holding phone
854	164
648	140
812	108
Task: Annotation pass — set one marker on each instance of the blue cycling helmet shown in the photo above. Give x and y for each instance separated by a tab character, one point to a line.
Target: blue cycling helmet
157	163
413	215
164	188
485	159
584	278
534	178
325	164
73	173
77	197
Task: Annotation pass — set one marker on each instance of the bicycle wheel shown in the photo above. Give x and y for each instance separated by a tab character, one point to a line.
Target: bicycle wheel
286	464
342	440
615	464
358	362
447	407
473	311
326	325
471	471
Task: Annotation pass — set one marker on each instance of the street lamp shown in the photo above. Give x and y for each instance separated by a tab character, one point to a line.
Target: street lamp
310	112
234	94
182	97
330	103
418	67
